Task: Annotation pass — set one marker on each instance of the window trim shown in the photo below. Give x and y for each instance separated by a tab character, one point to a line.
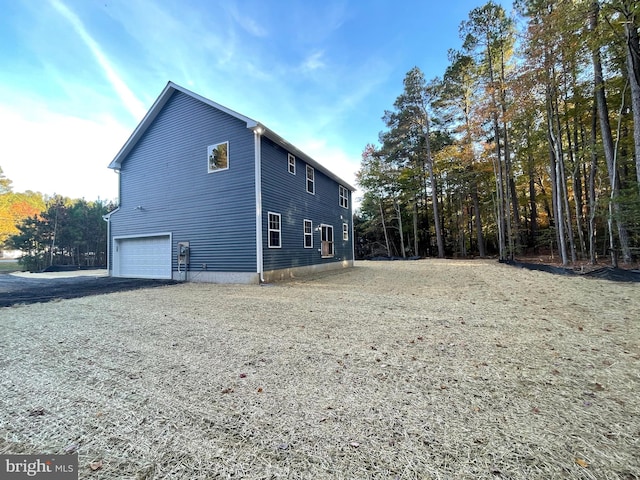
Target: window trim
343	196
312	179
306	234
345	232
291	159
210	149
330	243
270	230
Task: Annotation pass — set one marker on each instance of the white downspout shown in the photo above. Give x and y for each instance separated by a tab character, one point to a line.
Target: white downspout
107	218
258	184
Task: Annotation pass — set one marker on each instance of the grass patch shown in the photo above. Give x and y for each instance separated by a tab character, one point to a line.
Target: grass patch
9	266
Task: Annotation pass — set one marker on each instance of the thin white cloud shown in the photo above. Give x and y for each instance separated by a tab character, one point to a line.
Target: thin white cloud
313	62
247	23
133	105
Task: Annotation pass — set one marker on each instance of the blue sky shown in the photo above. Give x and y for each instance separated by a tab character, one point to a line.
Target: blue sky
78	75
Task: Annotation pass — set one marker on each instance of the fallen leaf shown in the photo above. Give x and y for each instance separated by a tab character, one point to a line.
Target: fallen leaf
597	387
227	390
243	375
97	465
535	410
582	463
260	390
354	444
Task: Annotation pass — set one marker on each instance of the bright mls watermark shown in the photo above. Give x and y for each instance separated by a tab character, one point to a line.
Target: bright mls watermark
45	467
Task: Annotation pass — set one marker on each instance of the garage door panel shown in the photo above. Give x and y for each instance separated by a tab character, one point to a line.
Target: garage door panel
144	257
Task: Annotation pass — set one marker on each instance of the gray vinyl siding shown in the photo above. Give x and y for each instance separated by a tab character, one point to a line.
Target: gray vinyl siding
166	174
287	195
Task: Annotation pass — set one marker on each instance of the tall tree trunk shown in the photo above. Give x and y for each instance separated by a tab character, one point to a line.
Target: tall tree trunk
415	228
478	220
632	49
533	207
593	199
607	139
500	182
398	209
555	152
562	174
434	191
384	229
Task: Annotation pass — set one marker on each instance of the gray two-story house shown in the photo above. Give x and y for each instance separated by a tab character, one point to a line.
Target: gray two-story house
207	194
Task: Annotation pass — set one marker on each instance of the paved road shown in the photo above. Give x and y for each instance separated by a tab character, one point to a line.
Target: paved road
34	288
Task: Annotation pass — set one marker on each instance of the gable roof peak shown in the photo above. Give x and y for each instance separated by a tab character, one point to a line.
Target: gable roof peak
252	124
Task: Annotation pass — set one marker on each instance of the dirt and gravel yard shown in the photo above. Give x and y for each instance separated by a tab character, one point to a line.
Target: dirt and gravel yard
400	370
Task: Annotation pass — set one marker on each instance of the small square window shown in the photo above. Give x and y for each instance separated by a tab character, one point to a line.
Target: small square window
308	234
343	193
274	231
218	157
311	180
345	232
292	164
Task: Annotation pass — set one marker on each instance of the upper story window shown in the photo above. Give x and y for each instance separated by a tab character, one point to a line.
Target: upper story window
308	234
311	180
218	157
292	164
275	231
344	196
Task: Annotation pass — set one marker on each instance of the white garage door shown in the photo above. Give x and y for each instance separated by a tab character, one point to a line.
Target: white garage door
142	257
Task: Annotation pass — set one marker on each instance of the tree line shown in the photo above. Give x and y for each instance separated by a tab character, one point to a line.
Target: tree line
52	231
528	143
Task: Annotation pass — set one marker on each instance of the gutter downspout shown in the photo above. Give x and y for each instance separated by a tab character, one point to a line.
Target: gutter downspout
107	218
257	132
353	232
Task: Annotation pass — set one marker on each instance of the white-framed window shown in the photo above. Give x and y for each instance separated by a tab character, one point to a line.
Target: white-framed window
308	234
345	232
326	236
218	157
292	164
311	179
343	193
274	230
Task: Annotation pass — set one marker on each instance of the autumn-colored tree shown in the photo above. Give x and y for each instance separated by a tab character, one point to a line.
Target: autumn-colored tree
66	232
15	207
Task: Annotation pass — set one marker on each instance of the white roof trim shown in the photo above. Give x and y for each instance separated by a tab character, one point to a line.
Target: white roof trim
251	124
303	156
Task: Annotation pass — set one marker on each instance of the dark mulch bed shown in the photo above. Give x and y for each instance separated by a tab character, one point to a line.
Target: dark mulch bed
19	290
606	273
